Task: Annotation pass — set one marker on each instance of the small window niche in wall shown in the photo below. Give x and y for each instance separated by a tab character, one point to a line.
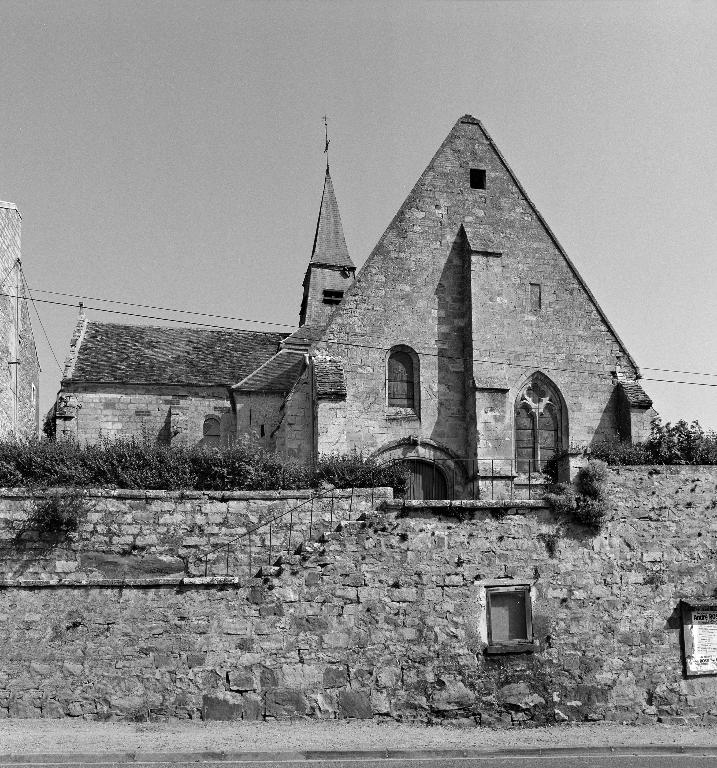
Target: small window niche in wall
536	301
477	178
211	432
402	382
509	619
333	297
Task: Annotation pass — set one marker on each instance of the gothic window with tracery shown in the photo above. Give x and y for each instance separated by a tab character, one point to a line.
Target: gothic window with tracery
538	424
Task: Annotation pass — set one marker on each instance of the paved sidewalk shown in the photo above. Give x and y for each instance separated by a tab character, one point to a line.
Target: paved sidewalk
73	737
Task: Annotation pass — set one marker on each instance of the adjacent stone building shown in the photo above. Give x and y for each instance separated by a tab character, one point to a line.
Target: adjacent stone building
19	366
167	384
468	344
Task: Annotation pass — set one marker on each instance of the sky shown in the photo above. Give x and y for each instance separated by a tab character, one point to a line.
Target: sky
171	153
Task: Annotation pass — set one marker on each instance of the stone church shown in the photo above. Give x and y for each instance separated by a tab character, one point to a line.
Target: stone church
468	344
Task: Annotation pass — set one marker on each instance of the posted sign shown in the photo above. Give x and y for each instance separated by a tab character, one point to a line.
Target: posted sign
699	622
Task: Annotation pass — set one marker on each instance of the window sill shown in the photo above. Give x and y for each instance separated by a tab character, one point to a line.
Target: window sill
401	413
503	648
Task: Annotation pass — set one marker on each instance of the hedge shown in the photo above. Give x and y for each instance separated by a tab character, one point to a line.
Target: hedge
133	464
679	443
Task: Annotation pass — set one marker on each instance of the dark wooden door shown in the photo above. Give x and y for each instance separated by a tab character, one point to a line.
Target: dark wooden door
425	480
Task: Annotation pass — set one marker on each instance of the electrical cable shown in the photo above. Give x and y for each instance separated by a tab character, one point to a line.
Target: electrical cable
42	325
671	370
330	341
162	309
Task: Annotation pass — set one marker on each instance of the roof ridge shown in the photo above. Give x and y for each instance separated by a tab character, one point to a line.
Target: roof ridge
175	328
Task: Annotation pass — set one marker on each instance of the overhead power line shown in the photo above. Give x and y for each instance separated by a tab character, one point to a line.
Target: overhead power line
670	370
42	325
286	325
161	309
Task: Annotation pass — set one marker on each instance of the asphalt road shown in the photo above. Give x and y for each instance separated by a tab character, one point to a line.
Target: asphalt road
615	760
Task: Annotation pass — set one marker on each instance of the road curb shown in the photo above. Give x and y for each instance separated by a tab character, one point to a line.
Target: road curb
56	758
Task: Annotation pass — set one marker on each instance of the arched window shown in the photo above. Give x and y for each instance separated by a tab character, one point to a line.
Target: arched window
210	431
539	423
402	382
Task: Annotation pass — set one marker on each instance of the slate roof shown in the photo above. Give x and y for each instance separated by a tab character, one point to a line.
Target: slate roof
329	241
636	395
146	354
278	374
329	375
302	338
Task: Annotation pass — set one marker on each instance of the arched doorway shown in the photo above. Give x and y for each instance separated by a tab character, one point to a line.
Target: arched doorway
426	480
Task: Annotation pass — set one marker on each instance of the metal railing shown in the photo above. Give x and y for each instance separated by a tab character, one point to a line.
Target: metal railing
270	542
472	479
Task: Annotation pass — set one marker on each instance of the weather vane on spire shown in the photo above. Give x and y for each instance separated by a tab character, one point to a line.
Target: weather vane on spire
327	140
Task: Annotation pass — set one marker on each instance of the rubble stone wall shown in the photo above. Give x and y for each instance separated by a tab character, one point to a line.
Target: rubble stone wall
386	619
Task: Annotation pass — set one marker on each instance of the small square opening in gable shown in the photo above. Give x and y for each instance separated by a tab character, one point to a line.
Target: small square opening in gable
477	178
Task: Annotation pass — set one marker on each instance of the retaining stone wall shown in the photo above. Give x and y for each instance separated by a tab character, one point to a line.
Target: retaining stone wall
388	621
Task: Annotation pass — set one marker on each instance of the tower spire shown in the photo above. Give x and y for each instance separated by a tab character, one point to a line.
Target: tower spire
330	271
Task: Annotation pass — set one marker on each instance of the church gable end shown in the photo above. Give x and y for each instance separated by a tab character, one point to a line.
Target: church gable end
469	276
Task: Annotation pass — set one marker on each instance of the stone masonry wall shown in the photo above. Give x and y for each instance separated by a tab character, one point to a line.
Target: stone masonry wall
450	278
169	414
258	415
295	433
386	619
16	344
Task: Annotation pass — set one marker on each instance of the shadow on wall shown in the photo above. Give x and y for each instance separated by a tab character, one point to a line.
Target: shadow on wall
451	293
607	427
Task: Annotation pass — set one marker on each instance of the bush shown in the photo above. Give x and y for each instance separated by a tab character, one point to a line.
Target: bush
620	453
591	513
591	479
143	465
679	443
562	499
59	514
586	501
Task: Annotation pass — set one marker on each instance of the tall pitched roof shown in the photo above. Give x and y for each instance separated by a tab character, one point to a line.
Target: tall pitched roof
329	241
426	181
142	354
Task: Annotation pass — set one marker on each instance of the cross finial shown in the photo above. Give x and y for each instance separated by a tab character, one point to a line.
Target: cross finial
327	140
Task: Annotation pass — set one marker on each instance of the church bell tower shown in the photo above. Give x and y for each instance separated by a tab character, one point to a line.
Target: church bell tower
330	271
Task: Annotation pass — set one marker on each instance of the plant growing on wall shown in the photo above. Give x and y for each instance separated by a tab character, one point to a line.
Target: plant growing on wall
586	500
59	514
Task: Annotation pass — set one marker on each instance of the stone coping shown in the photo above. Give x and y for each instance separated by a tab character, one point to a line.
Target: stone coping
149	495
466	504
159	581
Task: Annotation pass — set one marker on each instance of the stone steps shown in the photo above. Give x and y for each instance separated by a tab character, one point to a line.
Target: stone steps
313	552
